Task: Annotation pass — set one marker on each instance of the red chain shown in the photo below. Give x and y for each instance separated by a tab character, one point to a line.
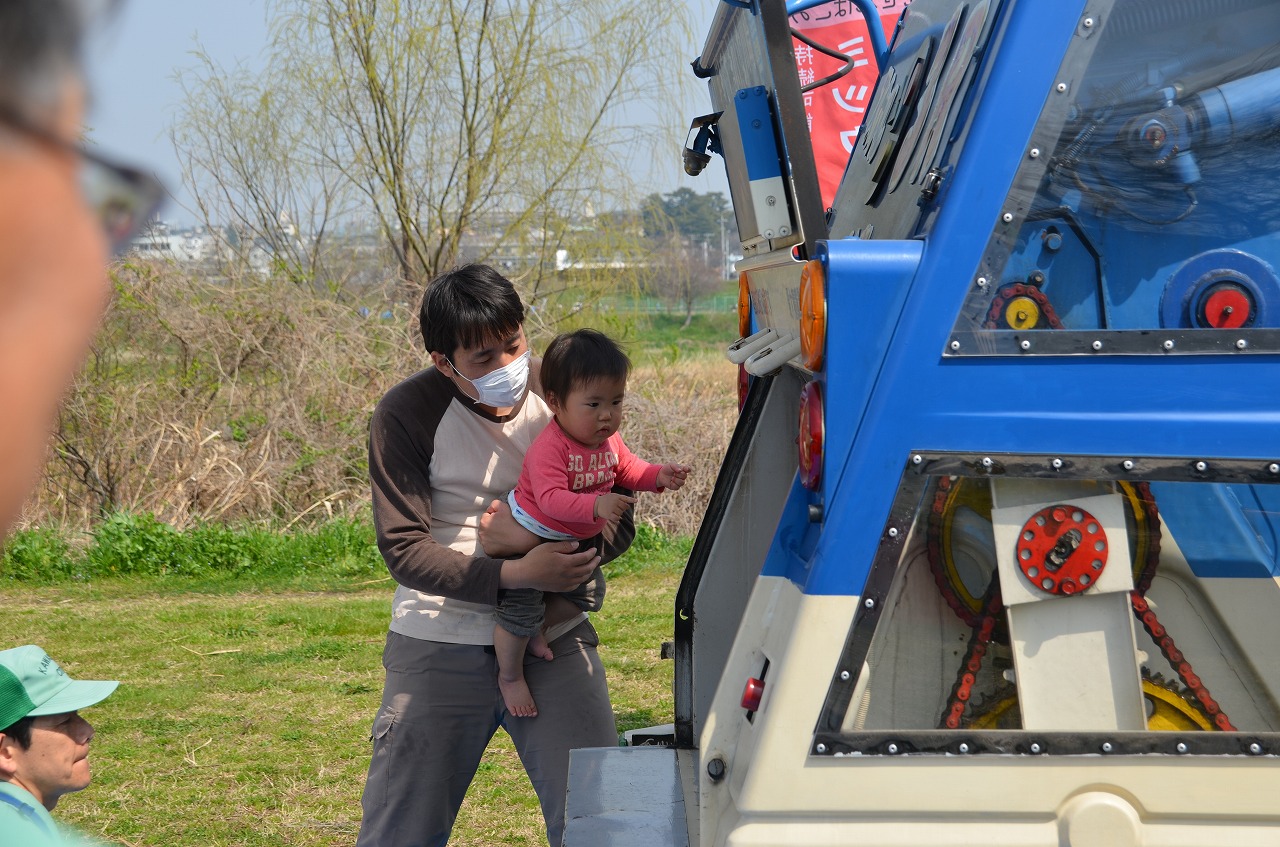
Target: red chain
1147	616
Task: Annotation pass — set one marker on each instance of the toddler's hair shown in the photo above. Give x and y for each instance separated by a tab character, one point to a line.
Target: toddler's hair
576	358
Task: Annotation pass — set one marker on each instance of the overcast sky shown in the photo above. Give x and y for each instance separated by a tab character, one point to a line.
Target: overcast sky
134	62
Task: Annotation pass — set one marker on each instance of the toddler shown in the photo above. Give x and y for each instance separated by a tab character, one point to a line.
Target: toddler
565	489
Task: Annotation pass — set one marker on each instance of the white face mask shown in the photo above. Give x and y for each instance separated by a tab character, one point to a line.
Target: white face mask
502	388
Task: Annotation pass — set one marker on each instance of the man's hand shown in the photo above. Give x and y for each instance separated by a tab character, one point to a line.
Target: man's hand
553	566
612	506
672	477
502	535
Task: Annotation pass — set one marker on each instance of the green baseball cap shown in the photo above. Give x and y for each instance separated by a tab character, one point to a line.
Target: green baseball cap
32	684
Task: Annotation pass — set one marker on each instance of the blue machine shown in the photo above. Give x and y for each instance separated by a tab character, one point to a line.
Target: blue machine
1018	585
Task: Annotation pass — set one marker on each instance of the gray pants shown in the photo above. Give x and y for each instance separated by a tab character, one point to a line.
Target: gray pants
520	611
440	708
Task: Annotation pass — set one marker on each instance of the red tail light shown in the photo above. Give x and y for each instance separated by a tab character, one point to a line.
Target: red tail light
812	431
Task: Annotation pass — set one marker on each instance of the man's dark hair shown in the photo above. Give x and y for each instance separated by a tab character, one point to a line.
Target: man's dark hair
576	358
468	307
40	48
20	731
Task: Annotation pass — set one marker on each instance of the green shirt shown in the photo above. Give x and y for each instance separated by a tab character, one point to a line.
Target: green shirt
26	823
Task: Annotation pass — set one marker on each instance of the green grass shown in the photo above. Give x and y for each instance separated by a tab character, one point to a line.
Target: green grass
248	690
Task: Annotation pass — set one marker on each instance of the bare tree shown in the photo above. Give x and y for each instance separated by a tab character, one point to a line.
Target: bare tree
431	117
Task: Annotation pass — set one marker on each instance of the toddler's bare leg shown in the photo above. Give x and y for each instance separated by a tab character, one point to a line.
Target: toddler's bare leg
510	650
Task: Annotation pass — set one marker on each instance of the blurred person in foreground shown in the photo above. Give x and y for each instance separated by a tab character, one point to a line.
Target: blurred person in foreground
44	745
63	212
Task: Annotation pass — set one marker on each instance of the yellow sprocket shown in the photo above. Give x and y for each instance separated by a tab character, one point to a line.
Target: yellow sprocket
1168	710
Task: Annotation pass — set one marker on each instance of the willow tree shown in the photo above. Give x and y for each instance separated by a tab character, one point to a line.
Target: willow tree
434	117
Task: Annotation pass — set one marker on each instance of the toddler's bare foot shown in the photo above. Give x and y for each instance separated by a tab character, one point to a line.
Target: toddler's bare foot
515	694
538	647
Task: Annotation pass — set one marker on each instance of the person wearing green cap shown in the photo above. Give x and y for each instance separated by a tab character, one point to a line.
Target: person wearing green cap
44	744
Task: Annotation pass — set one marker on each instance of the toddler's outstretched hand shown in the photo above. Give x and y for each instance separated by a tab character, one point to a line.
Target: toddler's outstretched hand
612	506
672	477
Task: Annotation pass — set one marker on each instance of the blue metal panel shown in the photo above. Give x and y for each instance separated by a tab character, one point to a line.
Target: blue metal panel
755	124
1081	405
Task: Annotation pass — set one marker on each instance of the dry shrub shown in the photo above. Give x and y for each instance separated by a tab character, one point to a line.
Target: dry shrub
249	401
232	401
681	412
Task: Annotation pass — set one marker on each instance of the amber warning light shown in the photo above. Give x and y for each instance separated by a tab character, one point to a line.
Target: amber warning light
813	313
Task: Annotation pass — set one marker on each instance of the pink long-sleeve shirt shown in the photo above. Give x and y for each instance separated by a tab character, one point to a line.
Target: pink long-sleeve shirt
561	479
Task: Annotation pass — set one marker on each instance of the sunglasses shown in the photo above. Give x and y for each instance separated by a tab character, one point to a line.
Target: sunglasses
123	198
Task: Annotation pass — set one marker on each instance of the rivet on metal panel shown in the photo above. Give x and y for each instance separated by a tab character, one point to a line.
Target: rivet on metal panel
1255	748
1202	466
1242	344
982	282
955	345
917	459
1061	88
964	748
1025	344
1128	464
1106	746
869	603
893	532
1035	748
1273	467
893	749
1182	747
1088	23
1168	344
986	462
1034	152
1057	464
821	748
1097	345
1007	217
844	676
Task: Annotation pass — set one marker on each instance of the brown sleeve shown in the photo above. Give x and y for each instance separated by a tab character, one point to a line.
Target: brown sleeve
401	443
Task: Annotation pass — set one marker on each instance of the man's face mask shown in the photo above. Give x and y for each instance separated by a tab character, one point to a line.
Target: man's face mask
502	388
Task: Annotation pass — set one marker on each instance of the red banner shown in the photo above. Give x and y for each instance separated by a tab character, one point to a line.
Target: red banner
835	110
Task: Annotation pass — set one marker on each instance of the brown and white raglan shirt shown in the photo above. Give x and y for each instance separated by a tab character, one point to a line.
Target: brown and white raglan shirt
436	462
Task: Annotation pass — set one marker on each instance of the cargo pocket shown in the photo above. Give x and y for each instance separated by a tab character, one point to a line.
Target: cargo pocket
383	736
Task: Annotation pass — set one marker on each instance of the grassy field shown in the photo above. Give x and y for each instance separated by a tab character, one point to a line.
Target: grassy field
245	704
